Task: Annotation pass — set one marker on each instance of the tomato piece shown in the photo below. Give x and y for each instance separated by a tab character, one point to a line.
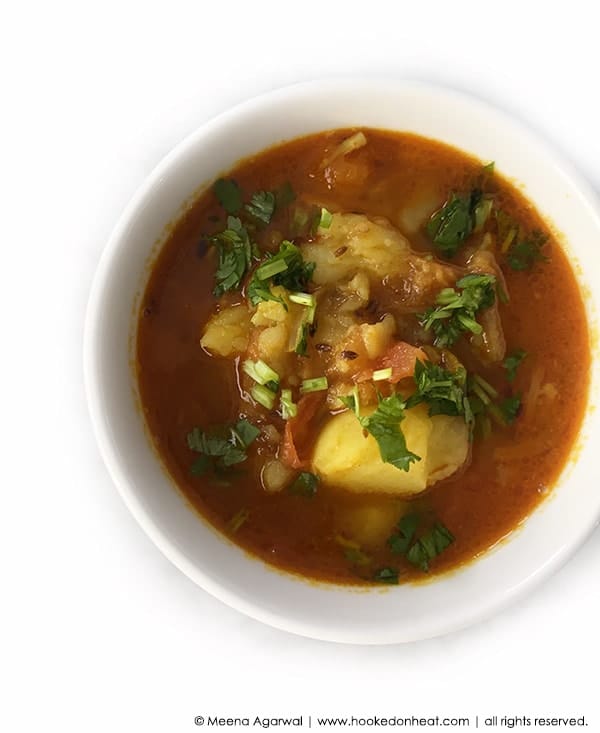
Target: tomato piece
401	357
300	432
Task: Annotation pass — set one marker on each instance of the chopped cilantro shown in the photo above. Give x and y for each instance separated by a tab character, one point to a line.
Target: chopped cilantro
262	206
512	362
235	254
509	408
305	485
524	253
481	213
455	311
298	273
225	446
429	546
301	347
483	401
386	575
443	390
245	432
259	290
325	219
316	384
451	225
285	268
384	426
400	541
228	194
263	395
289	408
420	549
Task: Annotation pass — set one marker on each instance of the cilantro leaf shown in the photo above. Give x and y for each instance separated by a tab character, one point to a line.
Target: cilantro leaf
444	391
384	426
451	225
429	546
509	408
298	273
305	485
285	268
386	575
419	550
245	432
228	194
235	254
259	290
225	446
262	206
455	311
512	362
523	254
400	541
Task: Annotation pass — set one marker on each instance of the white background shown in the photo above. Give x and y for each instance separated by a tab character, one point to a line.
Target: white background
99	632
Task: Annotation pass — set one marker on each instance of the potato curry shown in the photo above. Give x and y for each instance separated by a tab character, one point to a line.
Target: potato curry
356	355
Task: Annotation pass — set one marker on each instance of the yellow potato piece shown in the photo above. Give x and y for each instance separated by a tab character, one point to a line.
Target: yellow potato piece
373	247
370	524
344	457
227	331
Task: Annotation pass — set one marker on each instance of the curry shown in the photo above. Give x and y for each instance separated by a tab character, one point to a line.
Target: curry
363	356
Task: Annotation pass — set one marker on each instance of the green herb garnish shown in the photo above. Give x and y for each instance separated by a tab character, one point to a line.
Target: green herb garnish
455	311
222	447
259	290
524	253
285	268
305	485
289	408
386	575
325	219
301	346
400	541
384	426
228	194
235	254
444	391
481	214
419	550
317	384
512	363
429	546
263	395
483	398
451	225
261	373
261	206
509	407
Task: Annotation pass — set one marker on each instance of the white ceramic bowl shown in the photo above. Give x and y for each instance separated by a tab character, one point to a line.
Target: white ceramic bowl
406	612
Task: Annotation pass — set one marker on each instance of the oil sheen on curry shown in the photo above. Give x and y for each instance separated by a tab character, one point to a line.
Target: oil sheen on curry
363	357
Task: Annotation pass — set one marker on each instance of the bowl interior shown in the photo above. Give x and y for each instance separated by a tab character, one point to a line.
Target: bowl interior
329	612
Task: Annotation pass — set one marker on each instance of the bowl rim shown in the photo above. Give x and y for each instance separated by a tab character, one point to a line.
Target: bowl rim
94	394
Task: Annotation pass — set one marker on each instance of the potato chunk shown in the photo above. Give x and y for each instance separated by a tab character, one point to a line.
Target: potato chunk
370	523
344	457
227	331
354	243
